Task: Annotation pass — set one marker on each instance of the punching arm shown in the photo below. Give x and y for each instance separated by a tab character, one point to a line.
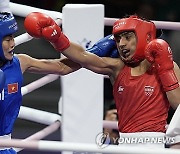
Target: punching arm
42	26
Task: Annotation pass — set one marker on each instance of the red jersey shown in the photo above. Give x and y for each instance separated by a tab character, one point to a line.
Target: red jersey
141	103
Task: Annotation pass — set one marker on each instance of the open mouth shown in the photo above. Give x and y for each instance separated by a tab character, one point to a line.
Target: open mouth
11	52
125	53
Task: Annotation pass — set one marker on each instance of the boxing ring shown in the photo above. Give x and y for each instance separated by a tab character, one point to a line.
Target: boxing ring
52	120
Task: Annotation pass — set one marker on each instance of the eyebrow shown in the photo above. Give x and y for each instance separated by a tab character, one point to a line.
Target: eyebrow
126	33
10	35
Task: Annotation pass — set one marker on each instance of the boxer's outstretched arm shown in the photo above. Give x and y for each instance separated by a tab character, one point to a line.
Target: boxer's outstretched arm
61	66
40	25
102	65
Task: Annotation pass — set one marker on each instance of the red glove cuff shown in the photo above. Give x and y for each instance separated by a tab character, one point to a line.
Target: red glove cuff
61	43
169	80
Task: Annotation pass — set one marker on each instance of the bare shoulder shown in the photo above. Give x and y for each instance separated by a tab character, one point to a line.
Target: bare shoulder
116	65
175	65
22	56
177	71
25	60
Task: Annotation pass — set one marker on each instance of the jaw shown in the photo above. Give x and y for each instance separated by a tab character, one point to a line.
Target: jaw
9	55
130	61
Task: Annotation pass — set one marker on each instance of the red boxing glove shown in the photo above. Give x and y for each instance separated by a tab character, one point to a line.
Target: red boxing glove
41	25
159	53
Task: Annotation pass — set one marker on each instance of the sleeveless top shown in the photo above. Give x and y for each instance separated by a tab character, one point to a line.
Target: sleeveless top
141	103
10	97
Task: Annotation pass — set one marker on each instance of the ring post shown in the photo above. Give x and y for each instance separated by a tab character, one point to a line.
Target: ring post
82	91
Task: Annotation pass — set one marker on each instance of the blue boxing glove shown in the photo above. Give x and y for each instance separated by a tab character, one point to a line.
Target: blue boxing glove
2	80
106	47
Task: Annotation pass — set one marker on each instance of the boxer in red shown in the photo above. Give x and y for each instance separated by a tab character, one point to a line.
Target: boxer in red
144	77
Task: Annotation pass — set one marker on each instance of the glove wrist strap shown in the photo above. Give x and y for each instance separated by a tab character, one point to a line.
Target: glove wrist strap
169	80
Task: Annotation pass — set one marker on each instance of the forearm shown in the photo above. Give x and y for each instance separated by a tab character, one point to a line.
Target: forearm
61	66
76	53
88	60
68	66
174	97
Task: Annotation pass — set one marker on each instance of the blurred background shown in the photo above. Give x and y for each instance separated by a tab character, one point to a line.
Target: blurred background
47	97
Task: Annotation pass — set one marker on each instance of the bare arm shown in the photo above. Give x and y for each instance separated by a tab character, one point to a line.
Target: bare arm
40	25
174	95
47	66
102	65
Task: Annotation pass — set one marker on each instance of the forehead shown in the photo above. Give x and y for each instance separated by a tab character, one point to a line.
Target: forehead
10	35
125	33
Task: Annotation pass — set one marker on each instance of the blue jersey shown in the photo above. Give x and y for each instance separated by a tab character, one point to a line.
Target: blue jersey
10	97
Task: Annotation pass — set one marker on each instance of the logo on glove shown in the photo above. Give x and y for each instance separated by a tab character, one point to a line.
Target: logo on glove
54	33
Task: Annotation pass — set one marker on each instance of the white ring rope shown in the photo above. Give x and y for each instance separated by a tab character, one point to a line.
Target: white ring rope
48	118
42	134
82	147
38	116
110	124
39	83
109	21
24	10
4	7
159	24
22	39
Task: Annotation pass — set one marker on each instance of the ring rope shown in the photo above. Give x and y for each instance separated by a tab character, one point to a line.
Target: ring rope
38	116
57	146
110	124
48	118
42	133
23	10
22	39
159	24
39	83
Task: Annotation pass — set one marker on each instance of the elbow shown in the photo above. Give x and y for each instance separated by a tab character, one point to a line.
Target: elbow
174	102
68	70
174	97
62	70
174	105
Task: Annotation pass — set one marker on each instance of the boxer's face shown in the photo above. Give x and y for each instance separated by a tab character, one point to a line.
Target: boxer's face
8	45
126	44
